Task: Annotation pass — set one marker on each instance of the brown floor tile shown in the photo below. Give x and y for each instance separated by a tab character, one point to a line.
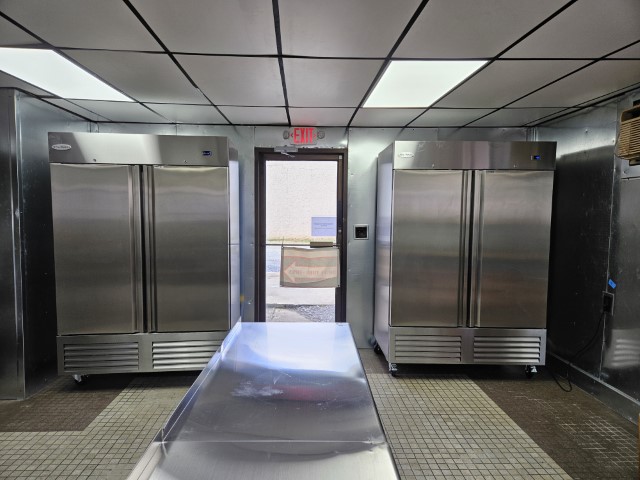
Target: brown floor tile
63	405
586	438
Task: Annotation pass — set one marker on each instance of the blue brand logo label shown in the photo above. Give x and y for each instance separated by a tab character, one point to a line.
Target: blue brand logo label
612	284
206	153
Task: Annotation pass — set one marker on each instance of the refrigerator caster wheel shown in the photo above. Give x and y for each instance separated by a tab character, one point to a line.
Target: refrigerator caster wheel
393	369
377	349
530	371
80	379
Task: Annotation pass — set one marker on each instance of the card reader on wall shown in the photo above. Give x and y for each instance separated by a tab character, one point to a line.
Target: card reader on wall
361	232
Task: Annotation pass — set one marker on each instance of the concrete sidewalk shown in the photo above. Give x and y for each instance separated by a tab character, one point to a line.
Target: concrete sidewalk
286	304
277	295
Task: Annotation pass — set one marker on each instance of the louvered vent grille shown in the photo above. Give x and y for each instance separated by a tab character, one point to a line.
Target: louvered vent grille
628	146
500	350
183	355
428	349
100	357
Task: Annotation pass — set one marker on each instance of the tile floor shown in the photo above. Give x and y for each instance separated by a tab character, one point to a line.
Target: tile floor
108	447
442	423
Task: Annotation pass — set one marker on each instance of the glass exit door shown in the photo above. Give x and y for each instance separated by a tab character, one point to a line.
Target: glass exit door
300	238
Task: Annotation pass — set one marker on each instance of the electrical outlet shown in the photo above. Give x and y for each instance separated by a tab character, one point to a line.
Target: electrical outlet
607	302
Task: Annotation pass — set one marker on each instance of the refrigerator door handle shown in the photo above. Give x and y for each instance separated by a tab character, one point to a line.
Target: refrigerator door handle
135	217
476	248
465	232
149	213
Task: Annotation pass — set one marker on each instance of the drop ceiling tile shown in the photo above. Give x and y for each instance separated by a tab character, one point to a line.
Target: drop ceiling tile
454	117
188	113
83	24
514	117
76	109
589	83
385	117
121	111
12	36
9	81
505	81
235	80
204	26
325	117
472	28
328	83
631	52
338	28
587	29
256	115
146	77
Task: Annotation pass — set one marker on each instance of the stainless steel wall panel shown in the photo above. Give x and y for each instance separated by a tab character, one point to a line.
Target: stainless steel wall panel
621	352
464	155
235	278
384	201
425	255
96	244
579	259
141	149
36	118
11	375
190	248
513	268
30	332
235	312
594	227
483	134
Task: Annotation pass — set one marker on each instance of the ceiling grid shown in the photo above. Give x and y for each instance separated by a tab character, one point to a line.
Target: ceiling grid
302	62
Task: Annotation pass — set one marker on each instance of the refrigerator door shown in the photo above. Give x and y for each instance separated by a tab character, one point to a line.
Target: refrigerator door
428	252
97	248
188	238
511	248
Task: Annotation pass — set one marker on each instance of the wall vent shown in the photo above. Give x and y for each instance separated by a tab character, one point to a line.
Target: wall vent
428	349
504	350
183	355
100	357
628	146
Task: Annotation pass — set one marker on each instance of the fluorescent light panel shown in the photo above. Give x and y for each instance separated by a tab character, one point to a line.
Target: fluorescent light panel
407	84
52	72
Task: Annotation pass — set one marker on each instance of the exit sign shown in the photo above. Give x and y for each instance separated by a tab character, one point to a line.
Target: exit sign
304	135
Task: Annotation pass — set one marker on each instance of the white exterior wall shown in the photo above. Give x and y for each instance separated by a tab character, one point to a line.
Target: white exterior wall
296	192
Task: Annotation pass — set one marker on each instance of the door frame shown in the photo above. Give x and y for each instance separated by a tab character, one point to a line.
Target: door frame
303	154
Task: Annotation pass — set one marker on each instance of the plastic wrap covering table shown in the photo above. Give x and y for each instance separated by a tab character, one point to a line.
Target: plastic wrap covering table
277	401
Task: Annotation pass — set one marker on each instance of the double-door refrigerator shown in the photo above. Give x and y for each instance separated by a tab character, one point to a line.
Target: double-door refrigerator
146	247
462	252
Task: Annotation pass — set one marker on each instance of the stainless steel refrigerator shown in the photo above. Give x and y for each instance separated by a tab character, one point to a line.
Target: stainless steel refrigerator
146	246
462	252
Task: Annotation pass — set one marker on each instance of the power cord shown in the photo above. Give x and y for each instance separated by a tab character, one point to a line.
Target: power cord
577	355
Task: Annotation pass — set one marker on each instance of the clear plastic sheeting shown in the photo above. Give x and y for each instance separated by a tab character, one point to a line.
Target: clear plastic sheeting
310	267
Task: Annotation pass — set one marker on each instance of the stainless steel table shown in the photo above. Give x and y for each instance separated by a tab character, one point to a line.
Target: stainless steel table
277	401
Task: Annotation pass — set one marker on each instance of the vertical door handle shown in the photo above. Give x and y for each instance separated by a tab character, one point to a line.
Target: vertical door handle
148	198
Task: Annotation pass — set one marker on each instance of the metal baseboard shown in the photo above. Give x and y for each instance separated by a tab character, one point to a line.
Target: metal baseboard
139	352
616	400
489	346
